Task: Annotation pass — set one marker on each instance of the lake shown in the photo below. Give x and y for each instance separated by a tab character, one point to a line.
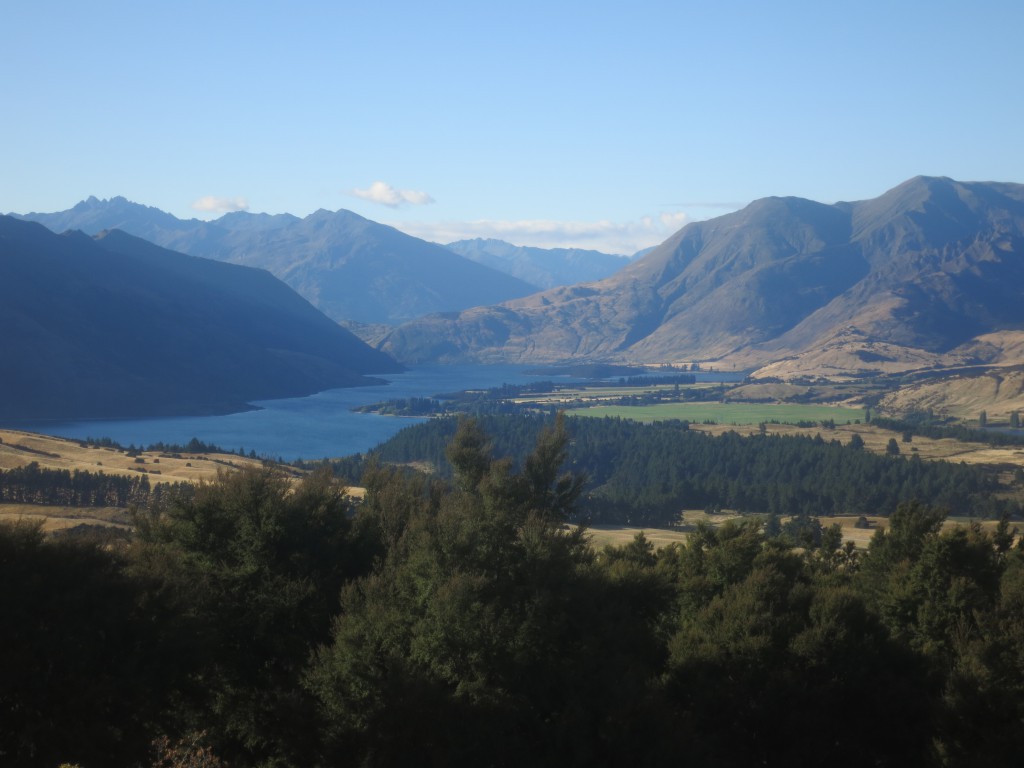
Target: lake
314	427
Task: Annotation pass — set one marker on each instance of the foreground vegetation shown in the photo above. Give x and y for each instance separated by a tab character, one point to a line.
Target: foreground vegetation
459	622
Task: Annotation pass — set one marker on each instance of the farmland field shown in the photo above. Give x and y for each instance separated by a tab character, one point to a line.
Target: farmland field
53	518
620	535
617	535
725	413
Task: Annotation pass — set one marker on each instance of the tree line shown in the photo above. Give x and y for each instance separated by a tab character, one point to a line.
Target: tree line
33	484
646	473
460	622
925	427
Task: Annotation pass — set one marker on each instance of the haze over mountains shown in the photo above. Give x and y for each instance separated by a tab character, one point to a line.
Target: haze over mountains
542	267
349	267
116	326
929	273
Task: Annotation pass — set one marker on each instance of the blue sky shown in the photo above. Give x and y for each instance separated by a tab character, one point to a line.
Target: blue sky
599	125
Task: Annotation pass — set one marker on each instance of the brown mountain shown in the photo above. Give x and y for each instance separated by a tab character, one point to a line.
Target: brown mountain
907	280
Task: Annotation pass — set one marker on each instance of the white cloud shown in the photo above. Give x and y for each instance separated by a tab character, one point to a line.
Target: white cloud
211	204
611	237
674	221
385	194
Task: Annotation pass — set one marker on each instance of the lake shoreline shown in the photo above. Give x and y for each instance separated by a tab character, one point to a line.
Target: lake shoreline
317	426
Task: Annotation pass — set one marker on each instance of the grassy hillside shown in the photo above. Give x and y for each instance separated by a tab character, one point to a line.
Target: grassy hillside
19	449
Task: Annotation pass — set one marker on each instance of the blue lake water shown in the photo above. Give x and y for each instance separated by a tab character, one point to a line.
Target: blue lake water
314	427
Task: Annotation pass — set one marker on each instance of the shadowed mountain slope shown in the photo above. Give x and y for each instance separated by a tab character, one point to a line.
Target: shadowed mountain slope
115	326
924	269
347	266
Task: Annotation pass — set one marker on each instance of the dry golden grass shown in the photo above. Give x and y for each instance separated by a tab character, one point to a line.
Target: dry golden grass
693	516
602	535
859	536
617	535
876	440
60	518
21	448
998	391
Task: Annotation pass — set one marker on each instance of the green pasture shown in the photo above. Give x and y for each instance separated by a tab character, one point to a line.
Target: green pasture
725	413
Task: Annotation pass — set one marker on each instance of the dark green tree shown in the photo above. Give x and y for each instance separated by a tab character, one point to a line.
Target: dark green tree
254	567
83	669
488	633
984	695
469	453
778	670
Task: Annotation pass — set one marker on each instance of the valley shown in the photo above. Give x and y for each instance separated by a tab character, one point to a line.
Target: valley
916	288
781	450
512	385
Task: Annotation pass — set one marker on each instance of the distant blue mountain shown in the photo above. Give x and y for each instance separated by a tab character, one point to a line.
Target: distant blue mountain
542	267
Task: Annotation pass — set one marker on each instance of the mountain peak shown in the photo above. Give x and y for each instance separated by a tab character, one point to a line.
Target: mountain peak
767	207
918	189
118	201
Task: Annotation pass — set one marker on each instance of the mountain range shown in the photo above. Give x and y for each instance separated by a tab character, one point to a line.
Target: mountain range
114	326
925	276
349	267
928	274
